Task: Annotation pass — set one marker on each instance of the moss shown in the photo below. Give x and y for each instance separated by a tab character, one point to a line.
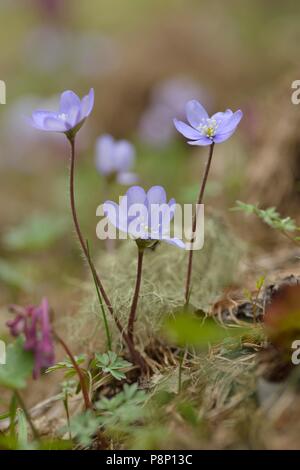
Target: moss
162	291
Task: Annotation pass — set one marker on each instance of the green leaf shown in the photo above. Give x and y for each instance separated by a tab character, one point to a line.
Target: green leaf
186	329
84	426
4	416
246	208
270	216
19	366
55	444
12	414
112	364
36	233
67	364
13	276
260	282
22	431
124	408
189	413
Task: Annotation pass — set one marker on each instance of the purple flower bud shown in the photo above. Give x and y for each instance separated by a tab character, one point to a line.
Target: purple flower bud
115	159
205	130
70	117
33	322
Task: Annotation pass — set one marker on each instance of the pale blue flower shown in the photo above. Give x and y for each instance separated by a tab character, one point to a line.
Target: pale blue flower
115	159
147	228
71	114
205	130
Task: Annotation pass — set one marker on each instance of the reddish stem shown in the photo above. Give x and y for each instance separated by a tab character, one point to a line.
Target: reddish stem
84	389
136	357
81	239
132	316
199	201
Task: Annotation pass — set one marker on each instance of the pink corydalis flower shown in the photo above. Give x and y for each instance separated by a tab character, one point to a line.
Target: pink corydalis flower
33	323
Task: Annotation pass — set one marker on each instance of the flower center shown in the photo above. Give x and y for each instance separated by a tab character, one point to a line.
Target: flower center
208	127
148	230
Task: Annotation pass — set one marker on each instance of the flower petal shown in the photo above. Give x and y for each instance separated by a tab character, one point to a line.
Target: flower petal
222	116
156	195
124	154
55	124
116	216
104	154
87	104
73	117
135	195
68	100
195	112
222	137
127	178
186	131
202	141
172	206
230	122
174	241
38	118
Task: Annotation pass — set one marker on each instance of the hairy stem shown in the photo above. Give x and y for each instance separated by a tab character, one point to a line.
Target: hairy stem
136	357
199	201
81	239
107	331
83	385
132	315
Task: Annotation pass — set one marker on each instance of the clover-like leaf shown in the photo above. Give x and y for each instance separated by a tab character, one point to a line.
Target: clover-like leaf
112	364
124	408
84	426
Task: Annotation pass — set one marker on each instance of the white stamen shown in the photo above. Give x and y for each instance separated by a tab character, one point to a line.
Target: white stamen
63	116
208	127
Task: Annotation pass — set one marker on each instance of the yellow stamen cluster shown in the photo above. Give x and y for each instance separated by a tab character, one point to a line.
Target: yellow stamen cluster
208	127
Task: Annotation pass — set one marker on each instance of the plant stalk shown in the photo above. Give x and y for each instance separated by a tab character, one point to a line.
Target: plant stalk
136	357
132	315
81	239
84	389
199	201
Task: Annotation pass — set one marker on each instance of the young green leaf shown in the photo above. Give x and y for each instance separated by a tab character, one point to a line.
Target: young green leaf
110	363
22	431
185	329
84	427
19	366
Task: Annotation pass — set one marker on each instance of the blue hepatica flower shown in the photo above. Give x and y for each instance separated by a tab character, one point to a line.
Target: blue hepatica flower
115	159
71	114
205	130
137	215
